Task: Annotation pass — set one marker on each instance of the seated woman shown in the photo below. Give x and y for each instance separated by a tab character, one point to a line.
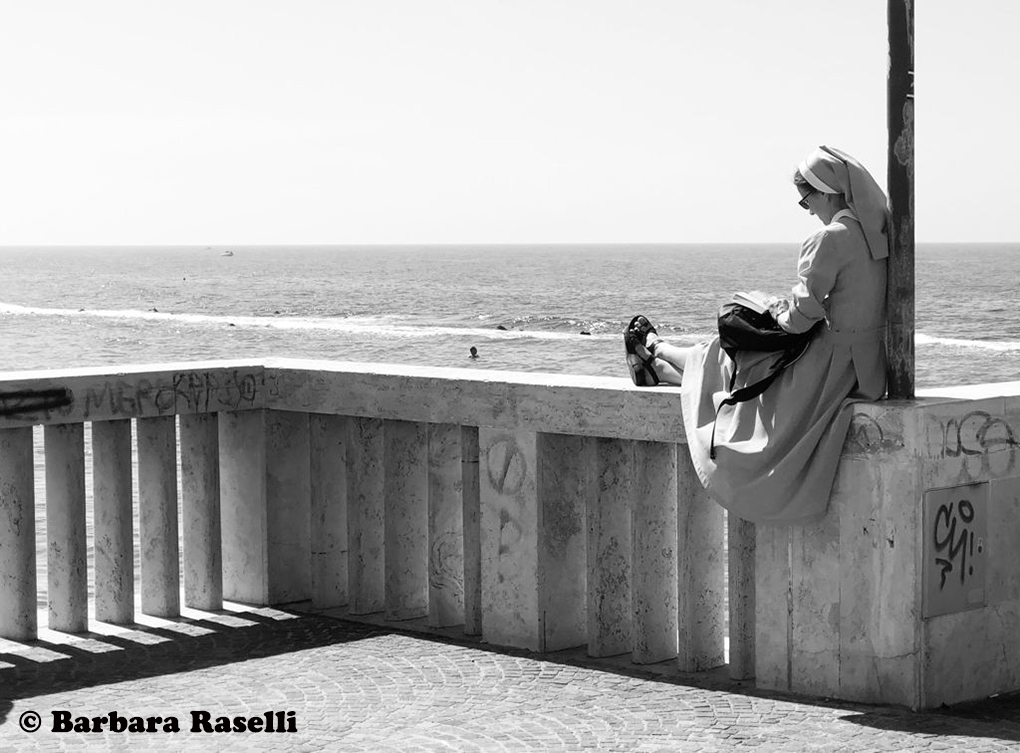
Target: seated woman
775	456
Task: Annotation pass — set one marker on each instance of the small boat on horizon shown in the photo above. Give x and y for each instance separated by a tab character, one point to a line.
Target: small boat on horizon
228	252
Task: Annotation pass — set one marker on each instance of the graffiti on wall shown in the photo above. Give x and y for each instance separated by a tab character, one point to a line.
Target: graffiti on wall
185	392
987	443
868	435
952	545
507	469
955	548
180	392
446	563
22	402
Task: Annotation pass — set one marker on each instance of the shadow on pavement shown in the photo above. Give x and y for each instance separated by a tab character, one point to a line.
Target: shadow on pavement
184	644
997	717
994	718
91	659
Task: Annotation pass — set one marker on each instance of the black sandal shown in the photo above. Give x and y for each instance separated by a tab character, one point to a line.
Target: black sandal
639	361
641	327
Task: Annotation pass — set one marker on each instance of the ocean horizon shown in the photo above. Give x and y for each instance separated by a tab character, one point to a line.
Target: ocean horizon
557	308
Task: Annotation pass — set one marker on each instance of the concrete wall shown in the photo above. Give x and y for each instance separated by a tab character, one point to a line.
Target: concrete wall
970	475
908	591
547	511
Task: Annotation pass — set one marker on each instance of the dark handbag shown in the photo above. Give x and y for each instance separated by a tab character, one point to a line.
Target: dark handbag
744	329
741	328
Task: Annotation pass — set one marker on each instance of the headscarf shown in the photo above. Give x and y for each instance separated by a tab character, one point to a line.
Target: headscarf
831	171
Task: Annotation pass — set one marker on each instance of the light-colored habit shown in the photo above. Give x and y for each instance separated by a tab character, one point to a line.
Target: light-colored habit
776	455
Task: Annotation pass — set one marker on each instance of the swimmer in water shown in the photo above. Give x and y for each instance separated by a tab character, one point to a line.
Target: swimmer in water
474	352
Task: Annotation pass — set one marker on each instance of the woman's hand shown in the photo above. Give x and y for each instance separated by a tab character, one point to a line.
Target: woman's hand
777	306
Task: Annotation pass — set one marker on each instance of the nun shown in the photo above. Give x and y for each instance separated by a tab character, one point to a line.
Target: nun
775	457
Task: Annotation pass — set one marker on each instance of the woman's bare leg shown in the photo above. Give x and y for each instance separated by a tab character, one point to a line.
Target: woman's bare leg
674	355
666	372
670	360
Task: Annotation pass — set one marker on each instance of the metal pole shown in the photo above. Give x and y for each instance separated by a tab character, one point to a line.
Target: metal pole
900	294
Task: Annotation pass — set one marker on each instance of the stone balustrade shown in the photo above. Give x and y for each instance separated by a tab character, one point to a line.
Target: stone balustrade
538	511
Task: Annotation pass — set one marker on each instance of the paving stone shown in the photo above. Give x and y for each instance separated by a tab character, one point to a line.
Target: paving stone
355	687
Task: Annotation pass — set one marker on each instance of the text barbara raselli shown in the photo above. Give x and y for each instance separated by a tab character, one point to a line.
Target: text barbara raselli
200	721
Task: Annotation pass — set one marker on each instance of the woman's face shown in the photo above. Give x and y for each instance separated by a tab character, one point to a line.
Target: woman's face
816	203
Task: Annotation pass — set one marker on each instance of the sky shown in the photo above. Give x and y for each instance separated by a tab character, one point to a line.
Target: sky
234	122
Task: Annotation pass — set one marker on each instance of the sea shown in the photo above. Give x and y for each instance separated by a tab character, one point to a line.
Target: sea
549	308
537	308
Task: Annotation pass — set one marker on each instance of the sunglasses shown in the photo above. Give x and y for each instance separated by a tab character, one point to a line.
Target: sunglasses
803	202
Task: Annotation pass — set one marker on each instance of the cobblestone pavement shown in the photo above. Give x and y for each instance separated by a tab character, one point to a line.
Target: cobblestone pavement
354	687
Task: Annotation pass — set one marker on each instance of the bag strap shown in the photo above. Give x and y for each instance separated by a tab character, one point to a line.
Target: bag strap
750	392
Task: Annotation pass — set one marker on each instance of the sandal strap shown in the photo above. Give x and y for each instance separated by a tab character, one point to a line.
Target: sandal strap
640	326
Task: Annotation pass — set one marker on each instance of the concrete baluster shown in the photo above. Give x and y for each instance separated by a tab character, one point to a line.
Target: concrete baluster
243	515
446	530
741	583
366	512
508	463
772	625
65	527
472	531
265	508
610	616
405	490
113	521
18	620
701	572
288	506
200	492
157	516
654	568
565	466
328	470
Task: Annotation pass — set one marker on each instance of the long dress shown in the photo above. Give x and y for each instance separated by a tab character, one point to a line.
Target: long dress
776	455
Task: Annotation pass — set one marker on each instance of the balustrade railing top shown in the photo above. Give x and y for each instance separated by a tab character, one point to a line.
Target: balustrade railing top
554	403
137	391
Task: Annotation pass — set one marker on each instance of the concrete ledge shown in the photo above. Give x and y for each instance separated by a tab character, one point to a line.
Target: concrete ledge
510	401
132	391
513	401
970	391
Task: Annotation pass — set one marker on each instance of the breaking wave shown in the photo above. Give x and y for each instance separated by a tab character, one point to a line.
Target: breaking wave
540	328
